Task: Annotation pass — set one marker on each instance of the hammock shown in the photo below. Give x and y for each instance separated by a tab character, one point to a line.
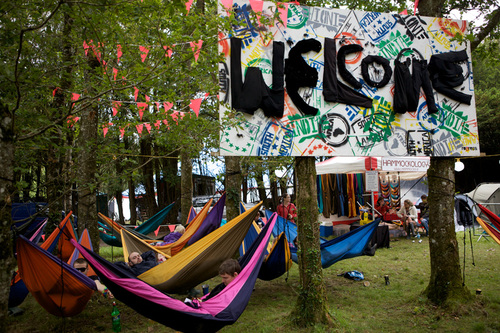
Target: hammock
213	314
492	228
278	258
200	261
212	221
59	288
141	231
349	245
172	248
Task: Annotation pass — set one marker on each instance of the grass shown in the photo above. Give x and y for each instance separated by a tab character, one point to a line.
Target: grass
355	307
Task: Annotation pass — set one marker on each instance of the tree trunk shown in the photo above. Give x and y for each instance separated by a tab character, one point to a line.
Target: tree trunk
186	185
446	280
119	203
233	186
132	202
273	185
148	175
171	184
244	191
87	166
7	261
310	307
262	188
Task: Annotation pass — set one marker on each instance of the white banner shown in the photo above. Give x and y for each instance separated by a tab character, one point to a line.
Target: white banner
371	184
405	164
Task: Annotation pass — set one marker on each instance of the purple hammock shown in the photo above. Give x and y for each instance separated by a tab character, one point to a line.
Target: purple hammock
221	310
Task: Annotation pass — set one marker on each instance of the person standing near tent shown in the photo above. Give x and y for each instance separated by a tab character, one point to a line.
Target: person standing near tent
424	213
408	215
286	209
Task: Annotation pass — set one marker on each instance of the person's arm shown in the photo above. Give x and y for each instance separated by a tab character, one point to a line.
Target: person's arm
293	211
413	213
401	212
149	256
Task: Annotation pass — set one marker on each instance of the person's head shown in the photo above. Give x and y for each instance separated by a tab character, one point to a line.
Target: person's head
228	270
287	198
81	265
161	258
380	201
179	228
408	203
134	258
424	198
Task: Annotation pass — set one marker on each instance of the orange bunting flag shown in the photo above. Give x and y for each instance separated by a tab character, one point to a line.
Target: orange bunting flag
168	51
195	105
139	128
283	12
158	124
188	5
119	53
136	93
144	52
116	106
115	73
148	127
196	47
167	106
142	107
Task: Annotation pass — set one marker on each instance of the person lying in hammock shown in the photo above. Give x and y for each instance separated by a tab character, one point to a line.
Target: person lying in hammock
139	263
228	271
82	266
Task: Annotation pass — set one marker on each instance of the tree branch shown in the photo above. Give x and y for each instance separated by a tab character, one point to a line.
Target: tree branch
484	32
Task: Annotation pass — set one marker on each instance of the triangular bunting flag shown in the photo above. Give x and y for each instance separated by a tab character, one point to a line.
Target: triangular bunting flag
122	131
168	51
174	116
144	52
171	227
158	124
188	5
147	98
415	8
116	106
404	12
85	47
54	92
75	97
195	105
139	128
167	106
157	106
142	107
206	95
136	93
119	53
227	4
257	7
148	127
165	121
283	12
157	230
105	131
196	47
72	120
115	73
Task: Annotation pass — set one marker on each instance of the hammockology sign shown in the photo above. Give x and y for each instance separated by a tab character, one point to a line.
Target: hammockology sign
335	82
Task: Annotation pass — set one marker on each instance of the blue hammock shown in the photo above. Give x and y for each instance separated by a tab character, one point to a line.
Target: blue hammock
349	245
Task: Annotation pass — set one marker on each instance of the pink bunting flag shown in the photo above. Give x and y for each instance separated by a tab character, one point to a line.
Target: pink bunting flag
167	106
43	237
188	5
168	51
174	116
105	131
139	128
206	95
404	12
196	47
75	96
119	53
283	12
415	8
157	106
257	7
171	227
157	230
122	131
54	92
136	93
195	105
116	106
71	120
227	4
158	124
148	127
115	73
147	98
165	121
142	107
85	47
144	52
